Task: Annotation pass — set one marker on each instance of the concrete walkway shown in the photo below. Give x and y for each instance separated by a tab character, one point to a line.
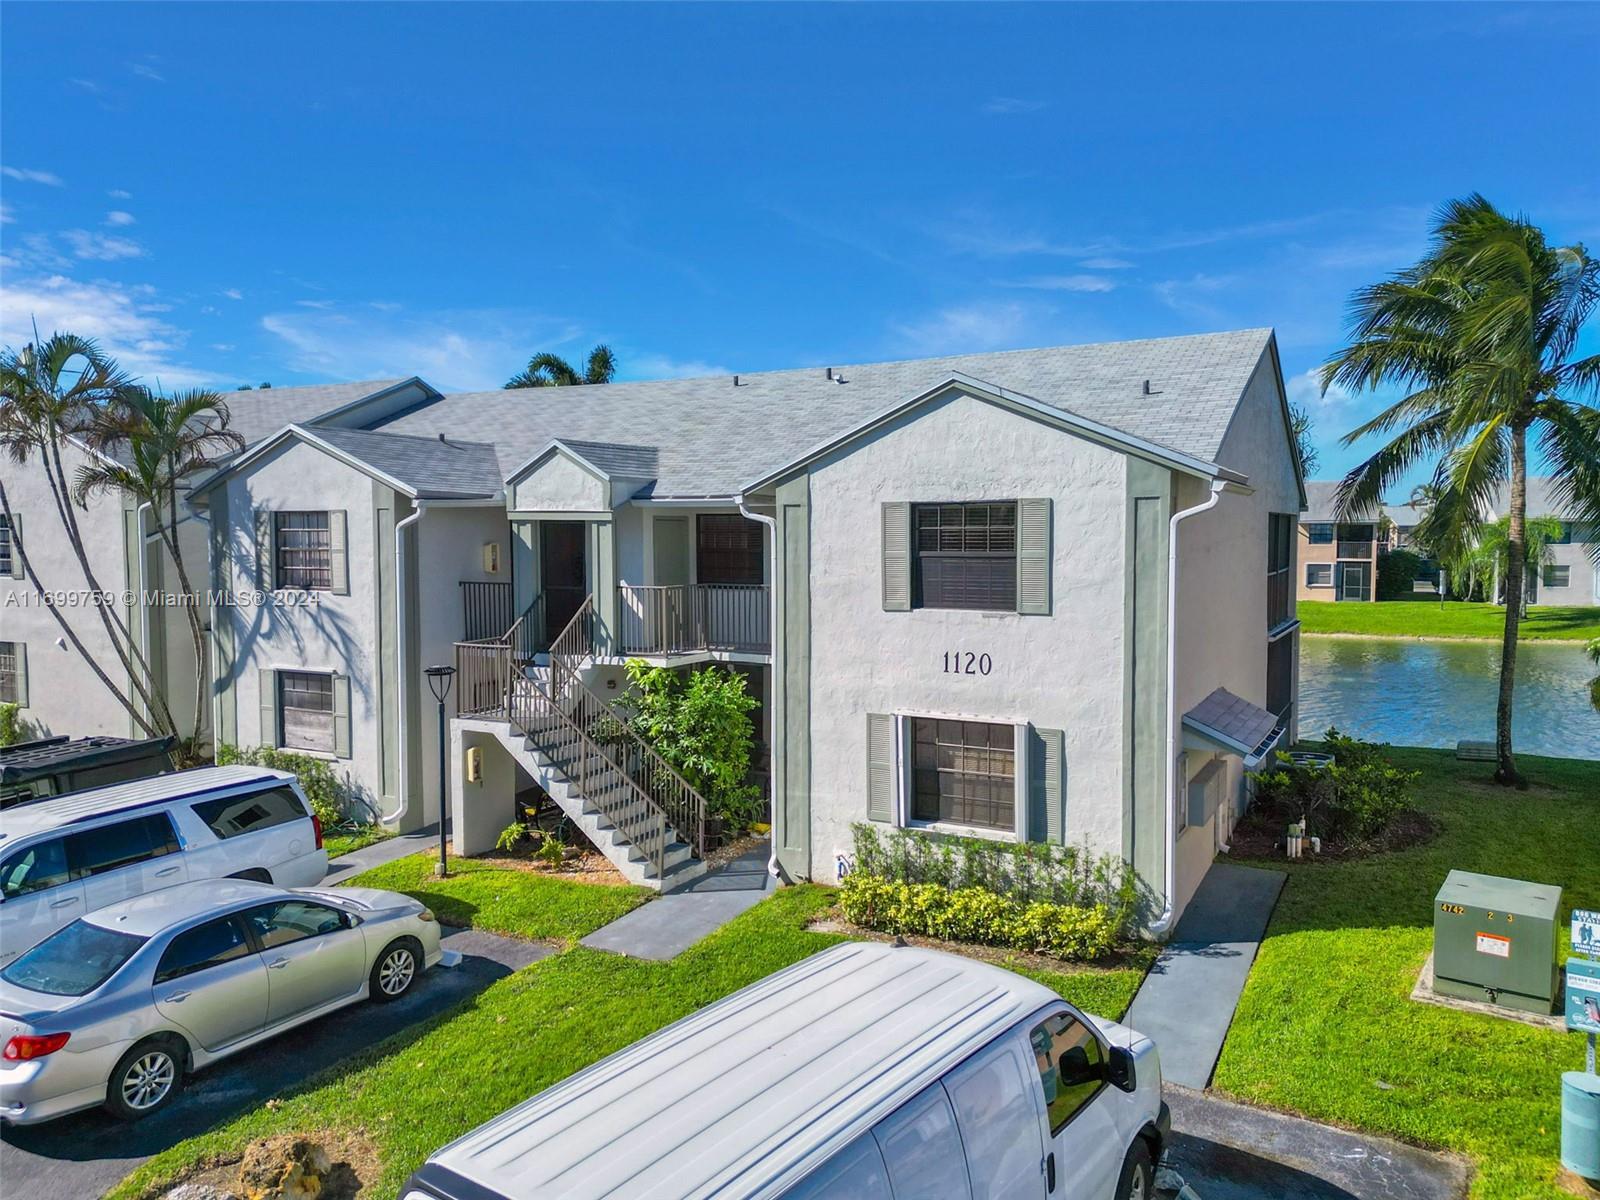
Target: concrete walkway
1228	1151
1186	1003
347	865
666	927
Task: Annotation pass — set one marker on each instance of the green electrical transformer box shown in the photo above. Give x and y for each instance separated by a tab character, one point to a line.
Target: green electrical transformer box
1495	940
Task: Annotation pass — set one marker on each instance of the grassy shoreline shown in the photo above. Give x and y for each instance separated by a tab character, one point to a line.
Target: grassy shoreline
1427	620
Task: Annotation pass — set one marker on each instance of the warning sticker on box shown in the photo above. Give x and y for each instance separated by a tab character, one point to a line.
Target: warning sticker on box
1493	943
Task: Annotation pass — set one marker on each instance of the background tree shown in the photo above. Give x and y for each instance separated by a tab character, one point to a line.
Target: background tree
153	444
551	370
1300	426
1487	560
1481	333
51	392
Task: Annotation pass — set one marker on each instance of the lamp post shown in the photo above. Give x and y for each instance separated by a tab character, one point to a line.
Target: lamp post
439	680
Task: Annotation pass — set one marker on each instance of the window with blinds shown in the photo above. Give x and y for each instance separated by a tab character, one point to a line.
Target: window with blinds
727	549
305	701
965	555
303	545
963	772
6	565
10	674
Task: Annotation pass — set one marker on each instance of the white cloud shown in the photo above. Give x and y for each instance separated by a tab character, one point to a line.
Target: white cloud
223	347
119	218
146	71
660	366
472	350
967	328
29	175
1305	390
126	321
102	247
6	215
324	304
1006	106
1106	264
1062	283
1187	295
119	194
233	293
87	85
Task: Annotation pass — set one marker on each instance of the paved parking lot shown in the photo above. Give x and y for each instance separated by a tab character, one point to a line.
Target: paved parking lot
79	1157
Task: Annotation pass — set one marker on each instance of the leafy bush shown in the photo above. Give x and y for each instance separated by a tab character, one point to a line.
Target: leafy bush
10	724
1353	799
974	914
332	796
1397	573
510	836
1025	872
701	725
551	851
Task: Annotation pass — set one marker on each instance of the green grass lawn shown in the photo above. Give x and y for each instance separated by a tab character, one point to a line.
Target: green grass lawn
1423	616
504	899
342	843
1326	1027
432	1083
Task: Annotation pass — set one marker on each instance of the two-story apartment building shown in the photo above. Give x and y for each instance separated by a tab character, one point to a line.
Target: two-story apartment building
1028	595
1572	574
1338	558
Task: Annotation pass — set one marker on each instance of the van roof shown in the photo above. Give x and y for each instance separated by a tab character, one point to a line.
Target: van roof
745	1097
23	819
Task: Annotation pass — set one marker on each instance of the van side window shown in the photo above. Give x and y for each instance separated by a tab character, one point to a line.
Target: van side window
999	1120
922	1149
1072	1066
235	815
40	866
855	1173
96	851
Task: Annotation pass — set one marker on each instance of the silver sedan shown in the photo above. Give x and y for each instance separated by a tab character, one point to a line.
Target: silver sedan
117	1007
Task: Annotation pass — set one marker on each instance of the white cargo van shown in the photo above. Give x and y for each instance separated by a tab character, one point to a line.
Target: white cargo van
867	1072
67	856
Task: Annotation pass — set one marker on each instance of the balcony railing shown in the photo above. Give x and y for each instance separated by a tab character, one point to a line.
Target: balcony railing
692	618
1352	549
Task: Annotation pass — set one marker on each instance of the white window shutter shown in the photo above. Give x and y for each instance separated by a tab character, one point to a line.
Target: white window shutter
341	716
1033	557
880	767
338	556
16	557
1047	770
264	565
897	556
269	708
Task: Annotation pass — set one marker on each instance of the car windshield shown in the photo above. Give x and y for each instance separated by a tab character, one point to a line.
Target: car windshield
72	961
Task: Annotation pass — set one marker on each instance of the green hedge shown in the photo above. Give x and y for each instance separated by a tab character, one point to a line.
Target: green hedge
10	724
974	914
331	795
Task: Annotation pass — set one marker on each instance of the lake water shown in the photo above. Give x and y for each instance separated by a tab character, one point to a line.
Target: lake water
1414	693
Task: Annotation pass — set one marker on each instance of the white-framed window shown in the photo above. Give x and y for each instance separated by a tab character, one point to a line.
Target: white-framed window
13	673
1319	575
962	773
303	545
1557	576
7	561
306	711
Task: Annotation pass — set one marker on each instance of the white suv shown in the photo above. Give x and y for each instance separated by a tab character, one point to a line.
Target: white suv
69	855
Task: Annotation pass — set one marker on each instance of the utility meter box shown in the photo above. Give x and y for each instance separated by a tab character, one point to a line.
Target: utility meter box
1494	940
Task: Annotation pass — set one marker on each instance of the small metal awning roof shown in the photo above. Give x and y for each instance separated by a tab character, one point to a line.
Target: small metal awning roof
1223	723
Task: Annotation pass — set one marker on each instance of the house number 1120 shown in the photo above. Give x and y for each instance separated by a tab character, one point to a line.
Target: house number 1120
966	662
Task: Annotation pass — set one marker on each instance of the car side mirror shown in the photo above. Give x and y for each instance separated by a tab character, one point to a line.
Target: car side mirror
1075	1068
1121	1070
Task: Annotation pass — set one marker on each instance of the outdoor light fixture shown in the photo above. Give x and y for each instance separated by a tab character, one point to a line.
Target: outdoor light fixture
439	681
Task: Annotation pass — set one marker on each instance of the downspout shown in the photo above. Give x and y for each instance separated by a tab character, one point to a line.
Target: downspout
144	596
400	654
777	656
1170	853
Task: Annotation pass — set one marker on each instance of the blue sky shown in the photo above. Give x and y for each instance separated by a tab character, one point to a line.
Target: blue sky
227	194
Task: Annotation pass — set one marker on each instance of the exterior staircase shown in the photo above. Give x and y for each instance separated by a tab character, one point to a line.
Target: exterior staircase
640	812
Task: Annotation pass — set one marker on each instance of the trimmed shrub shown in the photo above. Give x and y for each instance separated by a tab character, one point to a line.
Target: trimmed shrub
10	724
974	914
1352	800
331	795
701	725
1397	574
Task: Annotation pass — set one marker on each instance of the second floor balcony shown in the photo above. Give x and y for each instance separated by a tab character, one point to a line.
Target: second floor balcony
1354	548
692	618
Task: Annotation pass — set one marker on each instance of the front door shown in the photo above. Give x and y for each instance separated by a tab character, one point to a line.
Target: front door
561	570
1353	581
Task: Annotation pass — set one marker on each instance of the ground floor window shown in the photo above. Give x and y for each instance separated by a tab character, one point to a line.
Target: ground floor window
1555	577
10	673
305	701
1319	574
964	772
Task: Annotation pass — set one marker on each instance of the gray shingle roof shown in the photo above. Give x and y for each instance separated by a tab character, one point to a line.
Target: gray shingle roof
427	467
261	412
1235	721
712	438
1320	497
618	460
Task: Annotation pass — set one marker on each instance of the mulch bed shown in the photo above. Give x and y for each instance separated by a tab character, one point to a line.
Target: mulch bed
833	921
1260	835
588	867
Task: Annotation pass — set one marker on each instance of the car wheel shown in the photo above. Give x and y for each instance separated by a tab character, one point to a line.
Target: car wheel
145	1080
1138	1179
396	970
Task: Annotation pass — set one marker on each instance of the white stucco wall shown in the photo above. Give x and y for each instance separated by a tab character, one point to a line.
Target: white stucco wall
64	696
1062	671
1221	625
1583	585
560	485
331	633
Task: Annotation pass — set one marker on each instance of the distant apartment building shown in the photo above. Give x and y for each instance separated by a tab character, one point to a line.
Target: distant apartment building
1572	573
1338	559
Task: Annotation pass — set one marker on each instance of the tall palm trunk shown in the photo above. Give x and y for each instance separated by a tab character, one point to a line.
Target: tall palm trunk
1516	572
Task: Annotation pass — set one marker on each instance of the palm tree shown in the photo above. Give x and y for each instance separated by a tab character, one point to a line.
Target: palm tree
43	406
551	370
153	443
1481	334
1488	559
